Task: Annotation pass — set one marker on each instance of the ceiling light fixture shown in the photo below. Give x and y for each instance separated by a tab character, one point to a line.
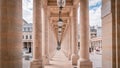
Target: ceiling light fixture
61	4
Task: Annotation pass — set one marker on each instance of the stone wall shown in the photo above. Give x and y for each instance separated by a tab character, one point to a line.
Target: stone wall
110	34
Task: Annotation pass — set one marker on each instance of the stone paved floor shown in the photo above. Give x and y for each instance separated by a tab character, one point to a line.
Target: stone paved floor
60	61
96	58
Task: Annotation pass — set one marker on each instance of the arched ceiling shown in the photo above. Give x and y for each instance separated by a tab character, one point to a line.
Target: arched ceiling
54	15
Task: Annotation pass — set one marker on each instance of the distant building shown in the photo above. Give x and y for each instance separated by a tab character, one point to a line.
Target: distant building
93	32
96	39
27	37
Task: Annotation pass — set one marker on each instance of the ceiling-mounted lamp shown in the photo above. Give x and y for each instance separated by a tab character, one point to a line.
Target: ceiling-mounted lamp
61	3
60	22
59	29
59	33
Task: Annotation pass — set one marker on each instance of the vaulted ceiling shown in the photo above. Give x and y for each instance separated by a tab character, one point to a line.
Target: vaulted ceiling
54	15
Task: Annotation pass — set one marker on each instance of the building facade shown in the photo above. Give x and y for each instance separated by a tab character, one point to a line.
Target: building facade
96	39
27	39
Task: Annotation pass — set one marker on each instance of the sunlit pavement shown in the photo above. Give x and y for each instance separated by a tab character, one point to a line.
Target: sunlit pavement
60	61
96	58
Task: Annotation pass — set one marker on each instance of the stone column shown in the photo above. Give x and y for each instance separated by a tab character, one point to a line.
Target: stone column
75	56
45	57
84	61
37	35
70	40
11	34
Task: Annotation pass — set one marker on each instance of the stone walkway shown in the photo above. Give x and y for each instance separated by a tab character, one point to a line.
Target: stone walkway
96	59
59	61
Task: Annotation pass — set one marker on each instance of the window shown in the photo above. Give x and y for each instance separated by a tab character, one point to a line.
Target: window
26	36
30	36
24	29
31	28
28	29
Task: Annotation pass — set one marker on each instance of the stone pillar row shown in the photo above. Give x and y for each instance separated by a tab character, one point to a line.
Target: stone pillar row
52	43
65	46
11	35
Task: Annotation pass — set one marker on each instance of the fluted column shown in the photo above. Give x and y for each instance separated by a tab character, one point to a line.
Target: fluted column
37	35
11	34
75	56
84	61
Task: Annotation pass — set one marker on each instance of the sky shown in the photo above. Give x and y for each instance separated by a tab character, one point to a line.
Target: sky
94	11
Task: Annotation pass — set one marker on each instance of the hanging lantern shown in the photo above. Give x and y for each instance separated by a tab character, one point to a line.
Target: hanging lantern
59	29
59	37
61	3
60	22
59	33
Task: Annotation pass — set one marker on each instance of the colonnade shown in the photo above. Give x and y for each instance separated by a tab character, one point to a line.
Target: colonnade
82	59
11	21
42	34
11	35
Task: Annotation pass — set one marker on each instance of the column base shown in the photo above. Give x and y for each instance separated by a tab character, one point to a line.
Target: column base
36	64
45	60
84	64
75	59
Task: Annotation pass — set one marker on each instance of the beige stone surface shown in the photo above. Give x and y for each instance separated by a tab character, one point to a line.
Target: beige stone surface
37	35
52	43
10	34
45	35
59	61
65	44
110	35
84	61
74	23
